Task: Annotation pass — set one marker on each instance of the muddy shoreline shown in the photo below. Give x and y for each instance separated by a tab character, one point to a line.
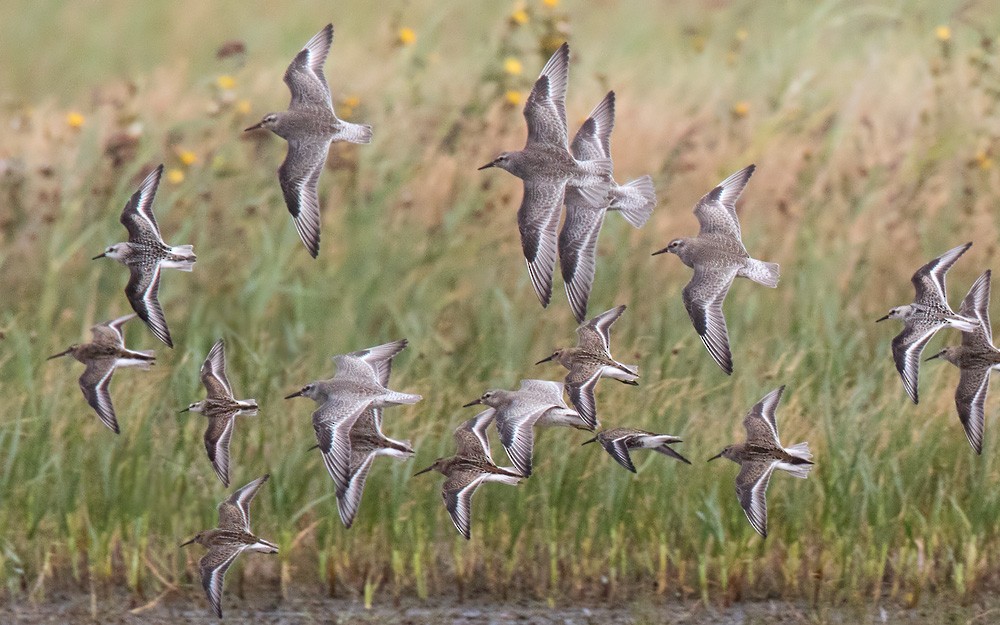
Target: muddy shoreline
267	609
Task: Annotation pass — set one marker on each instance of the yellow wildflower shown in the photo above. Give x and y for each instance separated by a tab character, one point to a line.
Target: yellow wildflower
741	108
175	176
943	33
352	101
519	17
513	97
243	107
406	36
74	120
225	82
742	34
187	157
512	66
984	160
551	3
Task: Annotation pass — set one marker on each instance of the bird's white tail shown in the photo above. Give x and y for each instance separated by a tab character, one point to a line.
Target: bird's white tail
800	450
264	546
354	133
659	439
402	398
762	272
182	257
635	200
963	323
504	479
800	471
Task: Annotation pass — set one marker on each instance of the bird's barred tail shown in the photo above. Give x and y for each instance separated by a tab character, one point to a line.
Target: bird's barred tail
762	272
354	133
635	200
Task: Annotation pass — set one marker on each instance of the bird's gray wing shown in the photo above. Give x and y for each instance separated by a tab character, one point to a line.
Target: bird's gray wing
595	335
213	372
716	211
976	305
761	424
580	383
142	292
544	391
970	400
354	369
350	500
618	448
703	298
929	281
304	76
94	384
906	349
109	333
545	109
333	422
751	489
218	433
471	437
369	421
593	139
137	216
299	178
516	426
457	493
234	512
578	251
213	566
379	358
538	221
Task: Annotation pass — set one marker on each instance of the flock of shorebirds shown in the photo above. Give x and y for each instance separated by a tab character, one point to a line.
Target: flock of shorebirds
555	172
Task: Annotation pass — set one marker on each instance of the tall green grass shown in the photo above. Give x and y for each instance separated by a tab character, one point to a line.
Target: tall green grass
874	143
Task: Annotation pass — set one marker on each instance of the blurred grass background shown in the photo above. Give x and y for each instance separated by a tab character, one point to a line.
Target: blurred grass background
874	127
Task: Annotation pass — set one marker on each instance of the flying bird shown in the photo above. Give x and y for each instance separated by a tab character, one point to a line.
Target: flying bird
470	467
309	126
717	256
760	455
105	353
145	254
225	542
928	313
221	408
546	167
590	361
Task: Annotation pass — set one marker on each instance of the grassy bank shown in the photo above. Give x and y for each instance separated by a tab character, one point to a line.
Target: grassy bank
874	132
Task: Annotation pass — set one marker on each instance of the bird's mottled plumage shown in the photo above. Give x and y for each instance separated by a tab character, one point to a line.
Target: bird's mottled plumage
105	353
145	254
618	441
359	384
535	403
468	468
578	237
221	408
310	126
976	357
591	360
717	256
922	319
546	167
225	542
367	443
760	455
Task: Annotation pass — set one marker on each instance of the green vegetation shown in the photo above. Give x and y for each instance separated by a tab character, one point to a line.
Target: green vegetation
874	132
